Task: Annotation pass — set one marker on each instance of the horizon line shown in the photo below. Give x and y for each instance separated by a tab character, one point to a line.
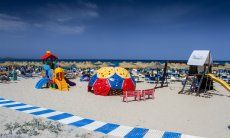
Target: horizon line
103	59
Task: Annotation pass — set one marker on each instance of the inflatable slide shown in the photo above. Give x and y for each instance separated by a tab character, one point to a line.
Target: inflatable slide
41	83
62	85
220	81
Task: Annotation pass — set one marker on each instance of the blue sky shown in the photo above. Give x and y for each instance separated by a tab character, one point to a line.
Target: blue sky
114	29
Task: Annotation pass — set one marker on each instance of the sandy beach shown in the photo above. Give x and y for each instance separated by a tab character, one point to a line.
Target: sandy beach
89	69
199	116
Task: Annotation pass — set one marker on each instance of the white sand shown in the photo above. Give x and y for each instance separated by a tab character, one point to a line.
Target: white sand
199	116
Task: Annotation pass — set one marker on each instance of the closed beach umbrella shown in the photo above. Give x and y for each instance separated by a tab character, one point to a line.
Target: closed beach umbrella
111	81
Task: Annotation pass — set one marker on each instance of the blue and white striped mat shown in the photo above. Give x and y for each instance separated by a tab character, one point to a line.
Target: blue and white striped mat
89	124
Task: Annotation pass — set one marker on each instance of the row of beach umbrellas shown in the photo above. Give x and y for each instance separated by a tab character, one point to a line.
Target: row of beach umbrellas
134	65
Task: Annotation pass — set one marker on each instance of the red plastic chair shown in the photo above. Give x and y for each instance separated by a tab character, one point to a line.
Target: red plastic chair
136	94
148	92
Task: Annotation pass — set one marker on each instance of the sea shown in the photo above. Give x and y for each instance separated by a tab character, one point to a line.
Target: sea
113	61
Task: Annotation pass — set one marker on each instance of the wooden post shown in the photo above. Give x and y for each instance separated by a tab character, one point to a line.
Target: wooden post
201	79
157	75
164	74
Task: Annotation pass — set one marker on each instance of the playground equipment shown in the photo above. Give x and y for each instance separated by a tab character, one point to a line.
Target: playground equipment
220	81
111	81
53	75
59	80
201	81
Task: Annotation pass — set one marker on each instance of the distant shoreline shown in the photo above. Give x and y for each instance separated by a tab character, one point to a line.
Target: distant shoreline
106	60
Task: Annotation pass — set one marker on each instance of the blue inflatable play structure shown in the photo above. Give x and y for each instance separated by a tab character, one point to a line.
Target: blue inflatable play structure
45	80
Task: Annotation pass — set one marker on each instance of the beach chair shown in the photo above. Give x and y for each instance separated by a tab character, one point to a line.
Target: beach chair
149	93
136	94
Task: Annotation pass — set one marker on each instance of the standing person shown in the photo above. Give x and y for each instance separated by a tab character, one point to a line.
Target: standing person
14	74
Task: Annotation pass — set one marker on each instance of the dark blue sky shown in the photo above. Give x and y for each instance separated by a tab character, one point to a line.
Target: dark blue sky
114	29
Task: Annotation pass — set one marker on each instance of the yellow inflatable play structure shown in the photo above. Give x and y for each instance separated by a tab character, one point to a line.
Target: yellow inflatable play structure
59	79
220	81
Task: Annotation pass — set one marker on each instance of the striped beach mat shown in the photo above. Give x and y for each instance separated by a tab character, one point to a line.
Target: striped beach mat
109	129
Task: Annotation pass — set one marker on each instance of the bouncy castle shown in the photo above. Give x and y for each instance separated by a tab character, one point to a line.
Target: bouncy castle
53	75
111	81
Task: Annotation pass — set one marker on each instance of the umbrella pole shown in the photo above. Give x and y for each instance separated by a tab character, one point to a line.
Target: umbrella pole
164	74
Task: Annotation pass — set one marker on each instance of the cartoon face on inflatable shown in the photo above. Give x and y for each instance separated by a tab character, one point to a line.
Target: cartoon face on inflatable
110	79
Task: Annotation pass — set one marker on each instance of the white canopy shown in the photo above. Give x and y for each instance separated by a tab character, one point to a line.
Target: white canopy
200	58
